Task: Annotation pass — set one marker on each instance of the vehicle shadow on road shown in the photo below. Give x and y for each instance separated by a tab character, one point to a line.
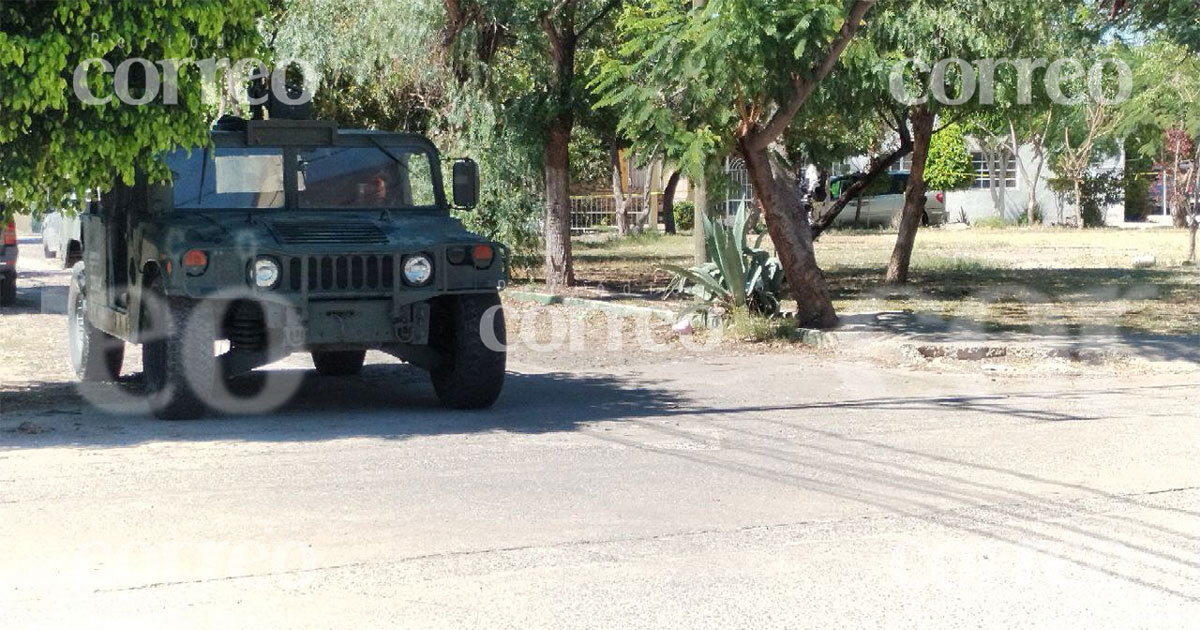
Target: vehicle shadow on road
393	401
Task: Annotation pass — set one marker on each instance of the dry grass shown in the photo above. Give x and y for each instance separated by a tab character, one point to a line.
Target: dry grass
1010	279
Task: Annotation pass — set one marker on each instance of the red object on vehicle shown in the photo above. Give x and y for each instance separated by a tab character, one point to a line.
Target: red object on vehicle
482	253
195	262
941	197
10	234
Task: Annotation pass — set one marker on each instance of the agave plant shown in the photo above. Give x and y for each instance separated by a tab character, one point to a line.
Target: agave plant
739	276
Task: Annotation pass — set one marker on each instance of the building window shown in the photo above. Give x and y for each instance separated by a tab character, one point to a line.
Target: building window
903	165
983	175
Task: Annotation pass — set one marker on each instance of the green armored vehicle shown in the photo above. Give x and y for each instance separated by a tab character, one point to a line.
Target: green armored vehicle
289	236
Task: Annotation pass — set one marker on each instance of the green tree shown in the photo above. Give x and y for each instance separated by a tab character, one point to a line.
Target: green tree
949	164
52	143
408	65
526	58
372	58
1166	102
930	31
731	75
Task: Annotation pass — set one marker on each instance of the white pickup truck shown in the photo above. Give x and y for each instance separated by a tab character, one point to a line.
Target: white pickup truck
62	239
881	204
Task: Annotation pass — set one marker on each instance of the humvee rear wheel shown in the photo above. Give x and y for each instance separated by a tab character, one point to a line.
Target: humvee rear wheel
8	289
95	354
178	363
472	374
338	362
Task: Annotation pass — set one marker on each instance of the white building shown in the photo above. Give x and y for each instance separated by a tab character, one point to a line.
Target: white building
1002	184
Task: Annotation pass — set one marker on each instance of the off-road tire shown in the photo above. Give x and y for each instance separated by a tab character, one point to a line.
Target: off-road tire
338	362
8	290
471	374
95	355
179	366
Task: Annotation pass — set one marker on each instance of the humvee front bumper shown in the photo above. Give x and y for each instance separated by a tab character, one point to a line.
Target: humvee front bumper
346	299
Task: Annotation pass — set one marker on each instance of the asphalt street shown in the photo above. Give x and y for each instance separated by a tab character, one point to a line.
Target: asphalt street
729	491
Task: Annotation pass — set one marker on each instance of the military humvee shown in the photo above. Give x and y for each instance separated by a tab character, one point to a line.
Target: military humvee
289	236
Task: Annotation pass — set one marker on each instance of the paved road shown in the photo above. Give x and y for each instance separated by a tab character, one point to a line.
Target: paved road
737	492
728	491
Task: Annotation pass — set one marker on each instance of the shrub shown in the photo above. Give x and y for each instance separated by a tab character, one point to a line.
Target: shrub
685	215
1039	216
750	326
1137	197
739	277
1099	192
949	163
993	222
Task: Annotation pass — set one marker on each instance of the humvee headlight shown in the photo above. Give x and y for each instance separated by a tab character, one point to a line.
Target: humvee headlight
418	270
265	273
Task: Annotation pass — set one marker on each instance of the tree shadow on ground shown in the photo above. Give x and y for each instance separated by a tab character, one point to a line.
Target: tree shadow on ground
854	283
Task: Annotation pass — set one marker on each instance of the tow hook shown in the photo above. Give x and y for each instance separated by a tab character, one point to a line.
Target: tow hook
412	324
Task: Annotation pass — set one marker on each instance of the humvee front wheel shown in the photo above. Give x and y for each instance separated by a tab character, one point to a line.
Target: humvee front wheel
471	374
178	363
95	355
338	362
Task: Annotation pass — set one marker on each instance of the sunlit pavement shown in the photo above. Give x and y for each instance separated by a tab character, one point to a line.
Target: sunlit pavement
755	491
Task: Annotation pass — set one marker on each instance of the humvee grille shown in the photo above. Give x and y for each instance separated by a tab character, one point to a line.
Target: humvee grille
313	232
342	273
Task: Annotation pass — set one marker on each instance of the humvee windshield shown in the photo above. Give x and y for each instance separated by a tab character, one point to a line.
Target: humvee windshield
325	177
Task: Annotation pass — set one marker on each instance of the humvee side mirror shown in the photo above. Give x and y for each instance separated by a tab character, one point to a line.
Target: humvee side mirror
466	183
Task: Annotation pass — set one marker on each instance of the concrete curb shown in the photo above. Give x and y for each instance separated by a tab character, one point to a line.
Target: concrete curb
548	299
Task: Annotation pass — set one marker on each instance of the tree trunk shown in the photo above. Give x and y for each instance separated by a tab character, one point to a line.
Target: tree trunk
1192	236
618	188
699	211
559	270
914	197
789	229
1031	203
1178	207
1194	208
1079	203
668	203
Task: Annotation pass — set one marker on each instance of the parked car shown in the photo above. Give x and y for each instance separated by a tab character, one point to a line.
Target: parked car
8	265
62	238
881	204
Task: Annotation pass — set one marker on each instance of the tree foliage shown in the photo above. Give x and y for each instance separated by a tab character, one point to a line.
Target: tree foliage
949	165
51	143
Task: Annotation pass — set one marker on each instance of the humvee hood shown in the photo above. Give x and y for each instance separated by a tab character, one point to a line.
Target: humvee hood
343	230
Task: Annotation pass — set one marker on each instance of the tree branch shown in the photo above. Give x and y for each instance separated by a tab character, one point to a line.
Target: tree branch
804	86
605	10
878	168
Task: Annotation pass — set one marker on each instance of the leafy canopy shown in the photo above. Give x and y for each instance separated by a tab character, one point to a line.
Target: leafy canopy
52	144
689	77
949	164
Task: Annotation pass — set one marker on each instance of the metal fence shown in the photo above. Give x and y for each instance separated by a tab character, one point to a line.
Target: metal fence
599	212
